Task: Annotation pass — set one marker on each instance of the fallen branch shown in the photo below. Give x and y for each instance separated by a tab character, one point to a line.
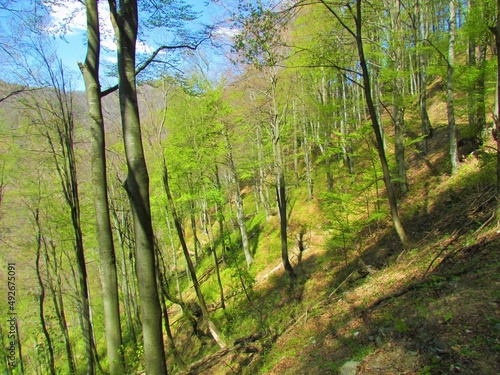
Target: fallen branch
243	344
456	234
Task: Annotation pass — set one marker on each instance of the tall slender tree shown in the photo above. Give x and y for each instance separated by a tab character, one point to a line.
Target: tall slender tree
54	116
356	33
260	44
90	71
450	94
496	130
125	20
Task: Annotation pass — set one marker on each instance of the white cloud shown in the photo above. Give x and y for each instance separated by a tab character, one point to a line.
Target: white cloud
226	32
142	47
69	18
66	18
110	59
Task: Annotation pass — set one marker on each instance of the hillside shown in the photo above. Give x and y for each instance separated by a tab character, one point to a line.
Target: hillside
431	310
299	188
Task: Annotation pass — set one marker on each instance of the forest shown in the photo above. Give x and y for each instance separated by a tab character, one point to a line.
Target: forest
285	187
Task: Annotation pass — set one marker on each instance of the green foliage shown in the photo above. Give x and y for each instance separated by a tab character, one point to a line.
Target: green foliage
400	326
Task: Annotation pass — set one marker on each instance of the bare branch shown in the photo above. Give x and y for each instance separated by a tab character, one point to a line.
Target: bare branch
151	59
17	92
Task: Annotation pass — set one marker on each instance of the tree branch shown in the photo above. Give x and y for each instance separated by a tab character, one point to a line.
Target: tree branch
344	25
16	92
151	59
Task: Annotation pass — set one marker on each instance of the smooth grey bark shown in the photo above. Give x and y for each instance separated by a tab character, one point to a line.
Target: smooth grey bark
214	251
425	123
196	241
124	17
163	296
496	130
174	260
344	129
280	185
90	72
263	194
398	93
307	161
477	53
220	218
450	95
238	200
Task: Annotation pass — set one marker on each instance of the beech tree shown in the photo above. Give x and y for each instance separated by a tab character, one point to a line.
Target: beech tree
125	20
90	72
260	45
496	130
356	34
450	93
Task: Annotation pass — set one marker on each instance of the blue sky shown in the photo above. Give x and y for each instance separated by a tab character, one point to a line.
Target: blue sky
71	44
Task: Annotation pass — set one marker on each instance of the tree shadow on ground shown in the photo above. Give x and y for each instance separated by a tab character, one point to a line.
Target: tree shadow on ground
441	324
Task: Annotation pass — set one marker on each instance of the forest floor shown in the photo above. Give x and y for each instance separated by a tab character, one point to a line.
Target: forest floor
433	309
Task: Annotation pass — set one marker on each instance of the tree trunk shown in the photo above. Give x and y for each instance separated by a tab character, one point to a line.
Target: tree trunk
238	200
357	35
65	165
307	162
125	23
398	93
275	123
58	302
262	174
425	124
196	241
125	282
344	130
378	135
161	274
90	71
41	305
216	260
201	300
174	259
450	109
496	130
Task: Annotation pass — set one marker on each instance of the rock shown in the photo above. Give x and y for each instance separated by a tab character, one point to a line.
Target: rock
439	346
349	368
